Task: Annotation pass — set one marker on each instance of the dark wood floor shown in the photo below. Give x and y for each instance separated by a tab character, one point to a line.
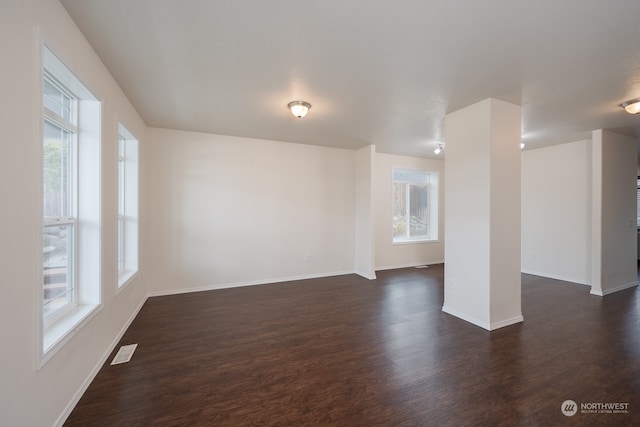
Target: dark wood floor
345	351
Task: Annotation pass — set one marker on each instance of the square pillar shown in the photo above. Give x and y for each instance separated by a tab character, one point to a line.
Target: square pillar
482	214
364	221
614	229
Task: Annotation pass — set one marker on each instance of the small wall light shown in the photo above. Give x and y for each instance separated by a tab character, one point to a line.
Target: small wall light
299	108
521	145
439	149
632	106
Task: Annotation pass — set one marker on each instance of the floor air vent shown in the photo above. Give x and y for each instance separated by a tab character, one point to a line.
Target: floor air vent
124	354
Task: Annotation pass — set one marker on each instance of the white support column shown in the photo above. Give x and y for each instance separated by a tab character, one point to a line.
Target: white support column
482	214
365	232
614	235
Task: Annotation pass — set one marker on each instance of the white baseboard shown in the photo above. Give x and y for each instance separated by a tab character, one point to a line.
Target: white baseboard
76	398
484	325
601	293
370	276
248	283
394	267
558	277
506	322
466	317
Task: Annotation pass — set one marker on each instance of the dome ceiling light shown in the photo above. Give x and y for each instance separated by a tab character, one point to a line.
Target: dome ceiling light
299	108
632	106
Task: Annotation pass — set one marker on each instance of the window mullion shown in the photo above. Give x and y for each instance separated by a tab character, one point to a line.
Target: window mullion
52	222
56	119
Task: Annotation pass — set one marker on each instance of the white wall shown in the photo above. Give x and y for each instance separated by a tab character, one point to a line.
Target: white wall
556	212
30	397
389	255
228	211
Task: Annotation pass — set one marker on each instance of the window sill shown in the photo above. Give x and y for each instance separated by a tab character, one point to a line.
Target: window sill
62	330
414	242
125	278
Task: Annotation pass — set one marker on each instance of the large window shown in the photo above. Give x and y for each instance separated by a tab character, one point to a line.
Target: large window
70	285
127	205
415	206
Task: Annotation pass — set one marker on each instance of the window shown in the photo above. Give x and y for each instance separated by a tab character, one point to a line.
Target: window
60	213
127	205
415	206
638	203
70	283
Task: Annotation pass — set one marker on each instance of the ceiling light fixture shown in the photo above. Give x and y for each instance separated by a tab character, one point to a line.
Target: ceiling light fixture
439	149
299	108
632	106
521	145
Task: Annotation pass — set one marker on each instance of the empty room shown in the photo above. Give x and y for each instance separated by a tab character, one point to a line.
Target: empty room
340	213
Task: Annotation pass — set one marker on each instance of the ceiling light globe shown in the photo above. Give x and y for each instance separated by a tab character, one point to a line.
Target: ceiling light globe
632	107
299	108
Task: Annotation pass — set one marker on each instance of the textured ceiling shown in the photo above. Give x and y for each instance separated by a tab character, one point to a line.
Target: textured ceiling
376	71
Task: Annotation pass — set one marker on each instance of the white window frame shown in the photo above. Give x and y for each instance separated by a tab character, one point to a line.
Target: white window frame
122	180
638	203
56	330
432	205
127	222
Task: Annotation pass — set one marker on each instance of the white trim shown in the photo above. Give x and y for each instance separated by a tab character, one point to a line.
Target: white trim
39	211
51	61
488	326
85	385
249	283
395	267
125	278
57	120
506	322
466	317
367	275
58	334
557	277
414	242
601	293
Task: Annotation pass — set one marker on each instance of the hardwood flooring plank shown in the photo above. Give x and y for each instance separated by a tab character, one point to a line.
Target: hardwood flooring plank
345	351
